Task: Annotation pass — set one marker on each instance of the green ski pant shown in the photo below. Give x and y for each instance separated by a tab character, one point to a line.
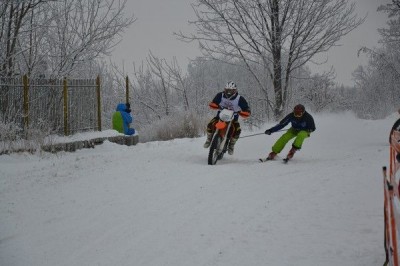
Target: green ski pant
300	136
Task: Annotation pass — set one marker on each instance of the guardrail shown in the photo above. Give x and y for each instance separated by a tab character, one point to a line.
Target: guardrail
392	206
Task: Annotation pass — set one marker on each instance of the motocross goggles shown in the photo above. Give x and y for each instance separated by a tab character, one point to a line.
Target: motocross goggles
229	92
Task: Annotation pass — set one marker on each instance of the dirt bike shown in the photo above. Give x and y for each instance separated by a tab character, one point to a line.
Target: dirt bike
221	138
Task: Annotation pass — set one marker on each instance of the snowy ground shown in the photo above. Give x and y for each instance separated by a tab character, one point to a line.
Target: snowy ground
159	203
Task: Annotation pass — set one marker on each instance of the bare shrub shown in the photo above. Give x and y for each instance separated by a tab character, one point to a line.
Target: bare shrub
14	139
9	133
182	125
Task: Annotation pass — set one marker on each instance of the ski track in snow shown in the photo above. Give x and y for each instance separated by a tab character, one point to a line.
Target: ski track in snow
159	203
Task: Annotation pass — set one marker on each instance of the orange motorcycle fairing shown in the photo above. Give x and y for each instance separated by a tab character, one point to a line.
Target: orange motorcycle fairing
220	125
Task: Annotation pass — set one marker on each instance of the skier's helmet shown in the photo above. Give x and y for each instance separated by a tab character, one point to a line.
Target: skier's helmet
299	110
395	140
230	89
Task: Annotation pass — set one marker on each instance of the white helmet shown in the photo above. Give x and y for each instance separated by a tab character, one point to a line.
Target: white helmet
230	89
230	85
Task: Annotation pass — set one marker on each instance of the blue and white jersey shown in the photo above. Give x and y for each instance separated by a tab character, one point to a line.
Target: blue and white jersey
236	103
231	104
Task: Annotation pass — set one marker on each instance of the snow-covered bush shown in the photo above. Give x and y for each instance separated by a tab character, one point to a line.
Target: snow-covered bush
9	133
14	139
182	125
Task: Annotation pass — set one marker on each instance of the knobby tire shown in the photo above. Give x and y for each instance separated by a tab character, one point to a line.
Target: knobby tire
213	155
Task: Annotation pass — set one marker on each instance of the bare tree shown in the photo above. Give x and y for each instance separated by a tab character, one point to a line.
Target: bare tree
319	93
392	33
83	30
378	82
179	83
279	35
163	85
60	36
13	18
383	69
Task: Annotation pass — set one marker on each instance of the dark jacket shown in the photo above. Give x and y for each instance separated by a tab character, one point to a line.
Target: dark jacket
306	122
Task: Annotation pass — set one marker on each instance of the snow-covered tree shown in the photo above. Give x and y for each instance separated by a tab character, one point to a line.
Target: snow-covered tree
378	81
278	35
16	21
58	38
392	33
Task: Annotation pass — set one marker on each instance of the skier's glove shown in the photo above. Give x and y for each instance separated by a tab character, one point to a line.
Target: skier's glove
268	132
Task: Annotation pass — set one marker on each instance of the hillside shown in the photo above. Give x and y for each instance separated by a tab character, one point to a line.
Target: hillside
159	203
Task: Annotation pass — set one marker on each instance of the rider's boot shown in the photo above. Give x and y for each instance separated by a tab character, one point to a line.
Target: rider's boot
208	140
231	146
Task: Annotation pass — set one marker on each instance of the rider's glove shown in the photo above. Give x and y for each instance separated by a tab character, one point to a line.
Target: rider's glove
244	114
213	106
268	132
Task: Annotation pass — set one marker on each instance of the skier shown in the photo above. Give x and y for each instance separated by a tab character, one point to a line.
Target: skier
302	126
122	119
228	99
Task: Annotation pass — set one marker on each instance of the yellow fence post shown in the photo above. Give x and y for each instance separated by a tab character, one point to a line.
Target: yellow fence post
98	103
26	103
65	95
127	89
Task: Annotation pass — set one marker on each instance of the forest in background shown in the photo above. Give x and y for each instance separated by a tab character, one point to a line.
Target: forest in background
264	47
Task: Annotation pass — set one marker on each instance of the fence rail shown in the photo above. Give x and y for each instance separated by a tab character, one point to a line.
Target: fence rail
63	106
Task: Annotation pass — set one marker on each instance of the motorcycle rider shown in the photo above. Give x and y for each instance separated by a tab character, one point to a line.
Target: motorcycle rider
228	99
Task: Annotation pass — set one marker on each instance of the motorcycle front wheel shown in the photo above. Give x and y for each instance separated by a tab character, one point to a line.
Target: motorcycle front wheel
215	152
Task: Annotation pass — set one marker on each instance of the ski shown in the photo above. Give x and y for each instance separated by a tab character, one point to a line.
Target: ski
285	160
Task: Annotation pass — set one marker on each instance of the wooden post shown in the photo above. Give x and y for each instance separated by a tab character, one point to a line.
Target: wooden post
65	96
26	103
98	103
127	89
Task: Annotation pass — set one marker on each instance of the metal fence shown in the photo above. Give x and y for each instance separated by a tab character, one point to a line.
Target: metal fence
63	106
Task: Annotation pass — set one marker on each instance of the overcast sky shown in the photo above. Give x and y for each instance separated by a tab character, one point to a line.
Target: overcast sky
158	19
